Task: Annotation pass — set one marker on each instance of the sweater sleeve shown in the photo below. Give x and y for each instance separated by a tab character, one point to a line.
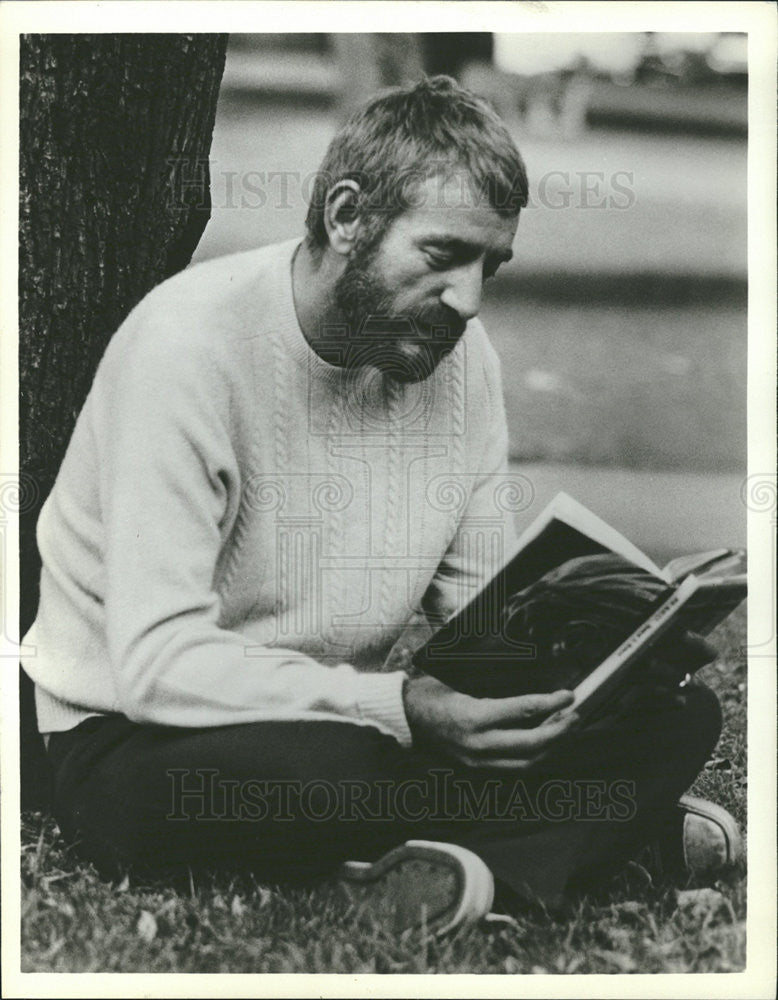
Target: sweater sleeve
486	529
162	430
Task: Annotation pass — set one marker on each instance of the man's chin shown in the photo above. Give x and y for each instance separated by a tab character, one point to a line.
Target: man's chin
410	361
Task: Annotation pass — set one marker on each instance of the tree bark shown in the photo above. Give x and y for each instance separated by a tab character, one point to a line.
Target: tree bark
115	132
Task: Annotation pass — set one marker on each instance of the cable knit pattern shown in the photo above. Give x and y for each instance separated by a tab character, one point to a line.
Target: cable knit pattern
208	549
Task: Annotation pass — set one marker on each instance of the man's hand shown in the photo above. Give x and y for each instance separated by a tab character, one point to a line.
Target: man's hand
500	733
666	669
685	655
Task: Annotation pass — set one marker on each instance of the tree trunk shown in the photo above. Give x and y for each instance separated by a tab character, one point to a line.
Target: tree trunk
115	132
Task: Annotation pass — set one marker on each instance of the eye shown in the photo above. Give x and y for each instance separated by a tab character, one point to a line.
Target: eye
438	260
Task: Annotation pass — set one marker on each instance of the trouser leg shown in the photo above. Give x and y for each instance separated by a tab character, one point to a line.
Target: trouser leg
286	799
613	787
292	799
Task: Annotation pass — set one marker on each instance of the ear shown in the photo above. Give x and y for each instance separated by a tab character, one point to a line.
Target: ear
341	215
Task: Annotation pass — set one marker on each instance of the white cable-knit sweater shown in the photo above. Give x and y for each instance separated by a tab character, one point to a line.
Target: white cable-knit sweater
240	531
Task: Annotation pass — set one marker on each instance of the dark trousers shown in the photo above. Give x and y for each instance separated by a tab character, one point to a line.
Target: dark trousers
290	800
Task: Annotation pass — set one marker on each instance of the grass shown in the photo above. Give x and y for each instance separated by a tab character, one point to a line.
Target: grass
74	922
630	385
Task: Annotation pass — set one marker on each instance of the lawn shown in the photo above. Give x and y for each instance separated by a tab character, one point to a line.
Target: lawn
633	386
73	922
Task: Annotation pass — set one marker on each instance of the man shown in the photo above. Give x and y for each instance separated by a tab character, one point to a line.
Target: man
284	474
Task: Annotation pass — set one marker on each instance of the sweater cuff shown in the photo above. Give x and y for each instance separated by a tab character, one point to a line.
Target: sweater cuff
379	699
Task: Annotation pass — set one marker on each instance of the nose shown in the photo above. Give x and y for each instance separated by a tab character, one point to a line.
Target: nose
463	291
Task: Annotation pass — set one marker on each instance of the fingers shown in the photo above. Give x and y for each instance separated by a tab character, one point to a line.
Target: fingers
691	652
699	651
663	673
496	713
516	745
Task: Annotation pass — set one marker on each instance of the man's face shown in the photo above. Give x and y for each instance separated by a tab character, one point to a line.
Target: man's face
407	298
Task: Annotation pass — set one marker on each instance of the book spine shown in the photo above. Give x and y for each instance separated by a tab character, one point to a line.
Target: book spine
596	687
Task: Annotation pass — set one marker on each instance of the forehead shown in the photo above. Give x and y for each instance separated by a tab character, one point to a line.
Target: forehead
453	207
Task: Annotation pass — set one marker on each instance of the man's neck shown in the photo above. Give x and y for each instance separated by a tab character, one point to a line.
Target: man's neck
312	284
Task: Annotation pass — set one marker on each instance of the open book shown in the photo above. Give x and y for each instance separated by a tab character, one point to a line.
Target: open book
576	605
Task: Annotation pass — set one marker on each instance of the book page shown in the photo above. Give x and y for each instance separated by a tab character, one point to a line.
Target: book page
722	562
564	530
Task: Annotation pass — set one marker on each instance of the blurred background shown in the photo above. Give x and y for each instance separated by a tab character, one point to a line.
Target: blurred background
621	321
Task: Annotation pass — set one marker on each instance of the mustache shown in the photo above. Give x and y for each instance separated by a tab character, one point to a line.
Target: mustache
436	324
369	308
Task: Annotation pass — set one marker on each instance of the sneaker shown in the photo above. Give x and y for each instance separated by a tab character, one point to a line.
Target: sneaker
421	883
701	841
710	841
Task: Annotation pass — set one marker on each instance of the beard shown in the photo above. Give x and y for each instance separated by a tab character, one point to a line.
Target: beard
403	345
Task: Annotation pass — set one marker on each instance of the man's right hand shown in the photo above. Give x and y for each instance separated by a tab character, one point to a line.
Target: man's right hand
499	733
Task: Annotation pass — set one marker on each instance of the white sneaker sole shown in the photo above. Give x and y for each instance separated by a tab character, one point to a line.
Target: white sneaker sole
711	838
421	883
